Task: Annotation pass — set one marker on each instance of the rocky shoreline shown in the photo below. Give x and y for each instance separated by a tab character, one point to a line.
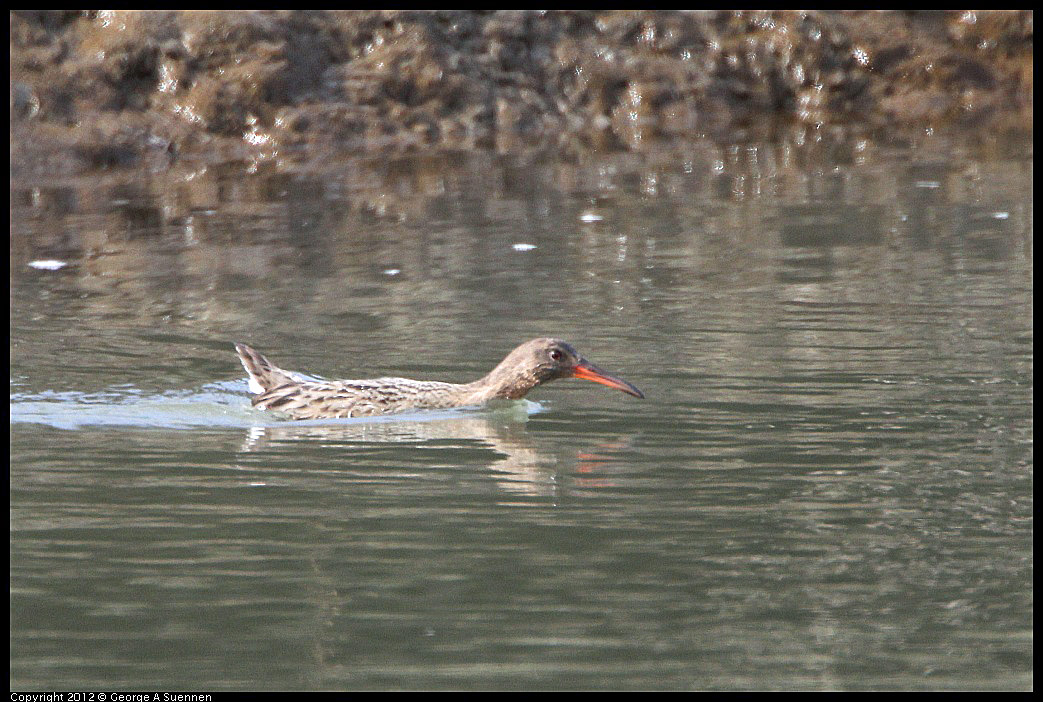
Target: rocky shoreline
97	89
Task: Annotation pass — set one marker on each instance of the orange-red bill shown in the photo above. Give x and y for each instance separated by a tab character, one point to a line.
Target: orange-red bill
589	372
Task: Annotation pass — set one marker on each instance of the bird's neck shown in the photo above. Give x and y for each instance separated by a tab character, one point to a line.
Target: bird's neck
505	381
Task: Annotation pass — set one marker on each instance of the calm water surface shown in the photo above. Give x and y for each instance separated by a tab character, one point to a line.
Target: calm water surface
829	484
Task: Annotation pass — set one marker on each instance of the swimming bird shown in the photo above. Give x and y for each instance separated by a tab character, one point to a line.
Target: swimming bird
533	363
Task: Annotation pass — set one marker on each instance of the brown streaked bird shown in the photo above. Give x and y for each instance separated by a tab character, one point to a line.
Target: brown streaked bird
533	363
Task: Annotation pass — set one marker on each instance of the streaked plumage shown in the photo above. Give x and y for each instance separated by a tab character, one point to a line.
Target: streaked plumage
531	364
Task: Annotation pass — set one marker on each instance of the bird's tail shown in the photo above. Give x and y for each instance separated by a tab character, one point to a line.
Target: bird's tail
264	375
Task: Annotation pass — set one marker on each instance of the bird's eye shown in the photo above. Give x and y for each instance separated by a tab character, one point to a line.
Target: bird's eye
556	355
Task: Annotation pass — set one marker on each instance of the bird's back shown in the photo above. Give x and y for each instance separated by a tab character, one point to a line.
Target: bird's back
359	398
303	398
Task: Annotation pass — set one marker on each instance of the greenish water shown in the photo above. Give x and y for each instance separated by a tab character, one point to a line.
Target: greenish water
829	485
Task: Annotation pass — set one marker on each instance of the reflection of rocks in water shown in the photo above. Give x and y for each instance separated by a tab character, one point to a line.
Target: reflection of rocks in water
822	225
810	233
523	469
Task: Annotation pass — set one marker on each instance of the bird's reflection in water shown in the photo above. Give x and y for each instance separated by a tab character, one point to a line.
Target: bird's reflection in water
591	465
523	468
